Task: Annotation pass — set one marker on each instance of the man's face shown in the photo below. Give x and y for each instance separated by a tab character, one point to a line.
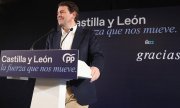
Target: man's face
64	17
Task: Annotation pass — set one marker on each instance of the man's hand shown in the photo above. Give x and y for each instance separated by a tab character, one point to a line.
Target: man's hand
95	73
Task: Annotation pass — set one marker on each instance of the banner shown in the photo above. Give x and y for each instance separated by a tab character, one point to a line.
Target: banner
39	63
142	56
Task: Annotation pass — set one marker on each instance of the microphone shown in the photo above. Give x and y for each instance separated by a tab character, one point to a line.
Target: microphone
71	29
36	41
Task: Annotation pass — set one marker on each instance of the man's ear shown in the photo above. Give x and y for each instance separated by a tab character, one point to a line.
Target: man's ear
74	14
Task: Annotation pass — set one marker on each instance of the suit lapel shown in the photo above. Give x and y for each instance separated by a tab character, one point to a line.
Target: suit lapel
57	39
77	38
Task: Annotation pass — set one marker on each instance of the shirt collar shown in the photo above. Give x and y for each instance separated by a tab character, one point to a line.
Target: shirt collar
73	31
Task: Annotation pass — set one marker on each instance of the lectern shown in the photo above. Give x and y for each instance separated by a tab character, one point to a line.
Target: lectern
51	68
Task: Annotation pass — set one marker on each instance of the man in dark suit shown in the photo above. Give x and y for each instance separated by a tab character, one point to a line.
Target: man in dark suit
80	92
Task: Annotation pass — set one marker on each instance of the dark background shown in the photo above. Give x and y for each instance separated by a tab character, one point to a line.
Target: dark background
24	21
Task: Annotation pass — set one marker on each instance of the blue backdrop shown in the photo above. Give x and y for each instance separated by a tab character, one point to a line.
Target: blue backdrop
142	55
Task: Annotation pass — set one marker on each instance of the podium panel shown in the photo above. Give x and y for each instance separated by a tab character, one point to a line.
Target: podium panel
51	68
49	93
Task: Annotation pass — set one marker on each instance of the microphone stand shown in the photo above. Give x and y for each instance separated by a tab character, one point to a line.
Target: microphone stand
71	29
35	42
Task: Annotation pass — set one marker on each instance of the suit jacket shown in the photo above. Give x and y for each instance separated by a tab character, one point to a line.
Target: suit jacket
90	52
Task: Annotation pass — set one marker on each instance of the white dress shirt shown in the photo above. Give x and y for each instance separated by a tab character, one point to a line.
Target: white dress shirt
67	43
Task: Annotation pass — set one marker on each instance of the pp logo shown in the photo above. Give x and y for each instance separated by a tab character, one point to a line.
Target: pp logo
68	58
